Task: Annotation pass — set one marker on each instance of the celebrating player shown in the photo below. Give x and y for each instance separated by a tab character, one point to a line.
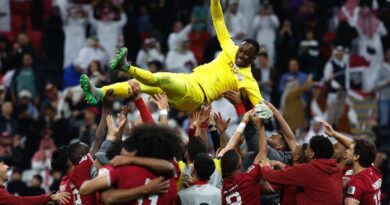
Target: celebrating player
231	70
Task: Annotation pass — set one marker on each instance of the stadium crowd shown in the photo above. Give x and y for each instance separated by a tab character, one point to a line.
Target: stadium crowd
316	59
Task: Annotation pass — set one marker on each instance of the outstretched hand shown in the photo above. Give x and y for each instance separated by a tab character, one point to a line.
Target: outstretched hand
328	128
162	101
135	89
221	123
234	97
204	116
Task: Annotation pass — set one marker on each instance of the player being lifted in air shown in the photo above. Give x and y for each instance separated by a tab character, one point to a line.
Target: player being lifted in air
231	70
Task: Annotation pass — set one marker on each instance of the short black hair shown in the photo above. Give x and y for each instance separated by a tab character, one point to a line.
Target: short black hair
302	157
59	159
39	178
204	166
195	146
156	142
322	147
229	162
253	42
366	151
76	151
114	149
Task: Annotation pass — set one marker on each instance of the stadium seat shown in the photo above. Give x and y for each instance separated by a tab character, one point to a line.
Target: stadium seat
198	42
16	23
20	7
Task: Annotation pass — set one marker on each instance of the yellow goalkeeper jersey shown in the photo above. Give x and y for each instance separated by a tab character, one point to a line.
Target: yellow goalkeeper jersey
222	74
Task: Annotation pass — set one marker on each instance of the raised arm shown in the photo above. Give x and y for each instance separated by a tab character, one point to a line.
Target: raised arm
287	133
344	140
223	35
237	137
263	148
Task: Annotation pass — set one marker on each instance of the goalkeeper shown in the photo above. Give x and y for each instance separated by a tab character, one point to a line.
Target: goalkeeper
231	70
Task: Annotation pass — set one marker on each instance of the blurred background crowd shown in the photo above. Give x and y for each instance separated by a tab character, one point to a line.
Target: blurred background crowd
319	60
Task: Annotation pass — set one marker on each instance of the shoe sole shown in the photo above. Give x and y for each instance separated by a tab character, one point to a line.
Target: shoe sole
116	63
84	82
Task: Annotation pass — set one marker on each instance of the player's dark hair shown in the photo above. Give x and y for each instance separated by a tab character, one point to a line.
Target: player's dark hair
322	147
366	151
302	157
254	43
114	149
204	166
76	151
229	162
156	142
283	141
59	159
195	146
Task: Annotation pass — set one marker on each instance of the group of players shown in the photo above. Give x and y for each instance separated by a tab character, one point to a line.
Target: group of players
154	166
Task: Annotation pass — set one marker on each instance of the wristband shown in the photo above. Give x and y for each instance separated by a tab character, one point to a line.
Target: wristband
164	112
241	127
204	126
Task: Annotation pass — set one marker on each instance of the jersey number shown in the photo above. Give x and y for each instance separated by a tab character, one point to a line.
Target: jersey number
377	198
235	196
77	198
153	198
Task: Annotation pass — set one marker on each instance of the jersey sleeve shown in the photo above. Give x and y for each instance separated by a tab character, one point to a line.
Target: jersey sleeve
354	190
114	176
82	171
223	35
249	84
254	171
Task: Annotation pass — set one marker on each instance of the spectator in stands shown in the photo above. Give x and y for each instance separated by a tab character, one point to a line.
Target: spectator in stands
309	55
382	84
292	105
3	93
179	33
370	30
267	77
109	31
8	122
249	10
89	129
27	78
294	73
201	192
235	22
349	12
41	160
286	46
200	12
154	66
16	186
320	179
265	25
335	73
74	19
26	107
92	51
25	45
181	60
35	188
151	51
143	22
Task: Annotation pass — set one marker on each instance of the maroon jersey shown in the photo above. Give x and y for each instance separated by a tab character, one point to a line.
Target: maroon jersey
365	187
134	176
105	169
243	188
65	187
80	174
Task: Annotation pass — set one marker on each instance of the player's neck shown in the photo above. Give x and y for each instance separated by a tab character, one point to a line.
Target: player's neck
233	174
357	168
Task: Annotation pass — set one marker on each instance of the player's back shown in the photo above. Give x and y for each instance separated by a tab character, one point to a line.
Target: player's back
365	186
243	188
134	176
65	187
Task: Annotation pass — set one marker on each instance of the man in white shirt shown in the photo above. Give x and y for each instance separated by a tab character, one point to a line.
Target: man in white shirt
201	192
235	22
179	33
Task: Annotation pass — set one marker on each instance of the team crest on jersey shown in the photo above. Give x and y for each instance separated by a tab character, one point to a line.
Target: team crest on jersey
376	185
349	172
351	190
240	77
